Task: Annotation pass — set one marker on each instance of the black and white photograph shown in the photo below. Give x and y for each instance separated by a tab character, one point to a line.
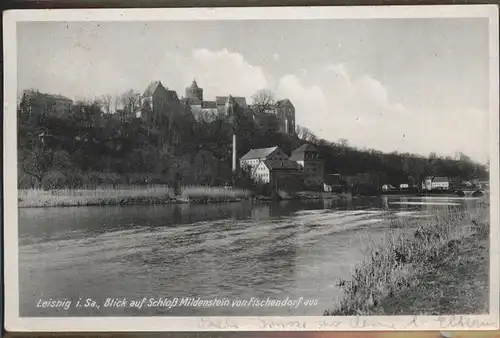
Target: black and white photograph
329	168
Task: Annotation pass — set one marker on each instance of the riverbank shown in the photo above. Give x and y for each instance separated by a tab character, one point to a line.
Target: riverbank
127	195
439	266
158	194
303	195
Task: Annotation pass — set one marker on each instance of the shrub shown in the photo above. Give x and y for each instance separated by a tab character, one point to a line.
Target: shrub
392	265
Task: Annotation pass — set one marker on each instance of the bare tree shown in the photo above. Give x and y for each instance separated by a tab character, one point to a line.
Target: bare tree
263	101
305	134
343	142
38	160
130	101
106	103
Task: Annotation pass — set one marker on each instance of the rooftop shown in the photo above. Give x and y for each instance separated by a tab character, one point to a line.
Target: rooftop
194	85
281	165
240	100
152	88
283	103
209	104
259	153
52	96
305	147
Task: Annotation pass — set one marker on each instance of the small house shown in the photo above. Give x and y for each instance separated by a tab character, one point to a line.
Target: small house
388	187
333	183
440	183
309	159
436	183
265	172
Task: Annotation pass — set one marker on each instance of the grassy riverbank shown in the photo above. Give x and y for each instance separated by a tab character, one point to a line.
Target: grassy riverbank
127	195
438	266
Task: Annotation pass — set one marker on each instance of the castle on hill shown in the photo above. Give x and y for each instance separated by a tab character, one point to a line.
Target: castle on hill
158	106
283	109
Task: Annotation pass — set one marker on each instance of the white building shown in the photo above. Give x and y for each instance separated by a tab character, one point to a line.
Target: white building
265	170
436	183
252	159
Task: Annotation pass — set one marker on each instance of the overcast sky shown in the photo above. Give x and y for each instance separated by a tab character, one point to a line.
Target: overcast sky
413	85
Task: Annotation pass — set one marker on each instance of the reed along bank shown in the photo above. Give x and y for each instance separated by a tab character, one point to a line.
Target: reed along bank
438	266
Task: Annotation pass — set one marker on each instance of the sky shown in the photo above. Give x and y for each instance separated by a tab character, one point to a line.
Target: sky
412	85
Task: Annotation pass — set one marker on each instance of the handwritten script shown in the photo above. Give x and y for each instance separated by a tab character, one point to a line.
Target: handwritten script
336	323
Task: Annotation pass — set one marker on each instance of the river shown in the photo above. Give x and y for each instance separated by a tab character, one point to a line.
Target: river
229	252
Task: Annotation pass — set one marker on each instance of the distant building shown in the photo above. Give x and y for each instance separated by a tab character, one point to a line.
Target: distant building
194	100
388	187
436	183
282	112
279	117
194	92
266	170
285	111
482	185
309	159
159	105
36	103
209	110
254	157
225	104
272	166
333	183
228	106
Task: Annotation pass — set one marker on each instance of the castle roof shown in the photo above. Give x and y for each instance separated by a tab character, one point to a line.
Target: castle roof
150	90
259	153
239	100
173	95
209	104
284	103
194	85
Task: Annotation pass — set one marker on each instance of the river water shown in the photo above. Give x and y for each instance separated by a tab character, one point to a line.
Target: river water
229	252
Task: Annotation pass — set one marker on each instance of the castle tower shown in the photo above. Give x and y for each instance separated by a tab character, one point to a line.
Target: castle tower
194	92
285	112
230	106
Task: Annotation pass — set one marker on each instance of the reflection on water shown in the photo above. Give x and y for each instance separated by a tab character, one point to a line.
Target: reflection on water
235	250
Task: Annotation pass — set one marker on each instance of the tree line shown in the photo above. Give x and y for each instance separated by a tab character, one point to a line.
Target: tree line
90	146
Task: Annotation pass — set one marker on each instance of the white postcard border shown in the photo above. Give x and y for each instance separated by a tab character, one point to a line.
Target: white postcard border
368	323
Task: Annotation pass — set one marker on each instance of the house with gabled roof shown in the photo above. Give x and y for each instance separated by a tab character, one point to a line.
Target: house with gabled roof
310	159
266	170
252	158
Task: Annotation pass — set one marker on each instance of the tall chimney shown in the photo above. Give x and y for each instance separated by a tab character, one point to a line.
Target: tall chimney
234	153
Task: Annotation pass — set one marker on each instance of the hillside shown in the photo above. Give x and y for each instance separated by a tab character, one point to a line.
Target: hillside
91	148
